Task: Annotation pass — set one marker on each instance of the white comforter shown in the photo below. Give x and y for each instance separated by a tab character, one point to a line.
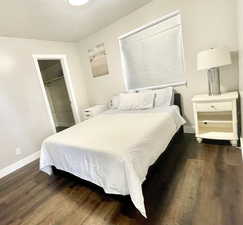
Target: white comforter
113	150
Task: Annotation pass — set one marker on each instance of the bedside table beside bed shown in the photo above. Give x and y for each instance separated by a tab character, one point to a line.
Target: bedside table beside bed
93	111
216	117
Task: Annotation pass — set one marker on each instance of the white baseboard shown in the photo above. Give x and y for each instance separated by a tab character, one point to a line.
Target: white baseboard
21	163
189	129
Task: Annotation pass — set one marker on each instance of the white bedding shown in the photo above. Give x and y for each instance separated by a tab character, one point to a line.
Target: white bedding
113	150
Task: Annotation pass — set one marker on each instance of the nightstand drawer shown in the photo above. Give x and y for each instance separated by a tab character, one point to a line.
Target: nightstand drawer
214	107
93	111
216	117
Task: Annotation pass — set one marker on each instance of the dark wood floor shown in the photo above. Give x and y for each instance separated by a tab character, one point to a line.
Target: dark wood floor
59	129
192	184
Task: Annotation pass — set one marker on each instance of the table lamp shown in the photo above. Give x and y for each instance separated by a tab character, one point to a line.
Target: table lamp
211	60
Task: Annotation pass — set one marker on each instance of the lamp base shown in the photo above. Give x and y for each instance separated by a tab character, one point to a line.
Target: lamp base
214	82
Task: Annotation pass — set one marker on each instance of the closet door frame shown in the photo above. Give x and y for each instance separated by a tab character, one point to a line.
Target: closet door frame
67	78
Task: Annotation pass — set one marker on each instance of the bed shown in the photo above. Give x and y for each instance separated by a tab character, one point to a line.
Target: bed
115	149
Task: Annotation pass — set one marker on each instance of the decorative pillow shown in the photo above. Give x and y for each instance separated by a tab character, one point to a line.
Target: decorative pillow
164	97
135	101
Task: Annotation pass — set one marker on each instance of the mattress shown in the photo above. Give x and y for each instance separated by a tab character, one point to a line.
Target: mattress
113	150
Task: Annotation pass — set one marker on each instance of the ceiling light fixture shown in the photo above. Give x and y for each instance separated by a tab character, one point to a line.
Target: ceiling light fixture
78	2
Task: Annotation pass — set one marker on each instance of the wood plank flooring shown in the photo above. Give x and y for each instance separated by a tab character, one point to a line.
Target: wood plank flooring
192	184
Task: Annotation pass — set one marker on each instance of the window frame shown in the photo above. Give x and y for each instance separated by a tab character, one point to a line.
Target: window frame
153	23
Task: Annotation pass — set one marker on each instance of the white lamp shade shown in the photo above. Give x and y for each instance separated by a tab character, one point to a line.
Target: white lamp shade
213	58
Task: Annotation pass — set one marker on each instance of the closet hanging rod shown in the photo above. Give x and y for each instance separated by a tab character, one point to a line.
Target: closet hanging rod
53	80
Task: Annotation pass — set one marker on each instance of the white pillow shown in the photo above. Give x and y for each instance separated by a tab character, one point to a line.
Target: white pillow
135	101
115	101
164	97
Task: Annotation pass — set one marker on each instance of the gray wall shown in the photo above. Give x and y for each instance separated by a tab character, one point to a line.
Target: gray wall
23	115
206	24
24	120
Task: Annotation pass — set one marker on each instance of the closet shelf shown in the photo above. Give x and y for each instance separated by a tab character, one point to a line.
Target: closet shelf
53	80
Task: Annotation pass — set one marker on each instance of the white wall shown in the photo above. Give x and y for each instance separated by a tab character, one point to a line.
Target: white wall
24	120
240	42
206	24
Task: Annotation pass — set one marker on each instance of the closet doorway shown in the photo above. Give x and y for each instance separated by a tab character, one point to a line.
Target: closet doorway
56	90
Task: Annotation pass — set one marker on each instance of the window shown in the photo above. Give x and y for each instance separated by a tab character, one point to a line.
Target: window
153	56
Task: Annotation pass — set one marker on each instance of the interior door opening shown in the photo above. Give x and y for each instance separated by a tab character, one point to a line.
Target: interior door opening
57	93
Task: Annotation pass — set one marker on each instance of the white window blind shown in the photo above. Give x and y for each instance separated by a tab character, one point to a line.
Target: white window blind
153	55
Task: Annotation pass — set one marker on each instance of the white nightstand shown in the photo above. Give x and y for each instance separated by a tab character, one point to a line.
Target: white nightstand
93	111
216	117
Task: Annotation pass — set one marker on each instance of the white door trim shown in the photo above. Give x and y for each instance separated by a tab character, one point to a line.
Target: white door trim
67	78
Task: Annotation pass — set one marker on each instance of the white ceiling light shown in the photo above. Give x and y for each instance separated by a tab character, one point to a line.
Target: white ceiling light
78	2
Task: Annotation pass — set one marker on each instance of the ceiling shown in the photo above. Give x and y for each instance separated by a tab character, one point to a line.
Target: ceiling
57	20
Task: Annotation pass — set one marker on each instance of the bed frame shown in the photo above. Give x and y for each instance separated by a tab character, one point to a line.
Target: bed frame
177	101
169	156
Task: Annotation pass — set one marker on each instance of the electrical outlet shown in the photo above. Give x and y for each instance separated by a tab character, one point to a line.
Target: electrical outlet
18	151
